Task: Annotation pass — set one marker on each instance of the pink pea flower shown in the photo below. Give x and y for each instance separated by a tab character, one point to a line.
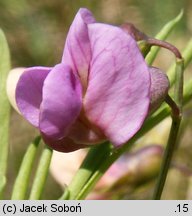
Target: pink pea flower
101	89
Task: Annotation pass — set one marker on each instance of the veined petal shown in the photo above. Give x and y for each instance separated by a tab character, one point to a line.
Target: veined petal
29	92
118	93
62	102
77	51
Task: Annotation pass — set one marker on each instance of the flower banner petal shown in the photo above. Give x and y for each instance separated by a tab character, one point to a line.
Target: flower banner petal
61	103
118	94
77	51
29	92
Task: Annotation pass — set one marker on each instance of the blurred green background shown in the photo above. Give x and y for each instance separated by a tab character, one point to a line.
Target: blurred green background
36	32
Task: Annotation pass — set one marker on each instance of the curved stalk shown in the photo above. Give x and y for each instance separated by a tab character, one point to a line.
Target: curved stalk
162	35
176	120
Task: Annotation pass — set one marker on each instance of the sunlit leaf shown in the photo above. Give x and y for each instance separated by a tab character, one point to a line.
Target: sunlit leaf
4	108
23	177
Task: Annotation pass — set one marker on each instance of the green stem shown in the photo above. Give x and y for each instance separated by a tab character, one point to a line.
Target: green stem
144	47
100	172
5	110
111	156
82	177
93	160
65	195
187	56
179	83
91	179
22	180
152	121
176	120
41	174
171	145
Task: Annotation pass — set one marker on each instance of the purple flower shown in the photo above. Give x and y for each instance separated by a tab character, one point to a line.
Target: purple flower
100	90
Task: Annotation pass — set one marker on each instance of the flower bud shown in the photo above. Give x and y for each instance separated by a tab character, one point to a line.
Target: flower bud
159	88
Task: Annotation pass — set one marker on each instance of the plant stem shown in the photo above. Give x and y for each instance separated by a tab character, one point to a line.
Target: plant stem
93	160
111	156
179	83
100	172
152	121
176	120
171	144
145	44
5	110
187	56
22	180
144	47
41	174
83	176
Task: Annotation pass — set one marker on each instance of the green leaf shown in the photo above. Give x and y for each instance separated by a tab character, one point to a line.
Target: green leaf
41	174
22	180
162	35
93	160
2	182
4	109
